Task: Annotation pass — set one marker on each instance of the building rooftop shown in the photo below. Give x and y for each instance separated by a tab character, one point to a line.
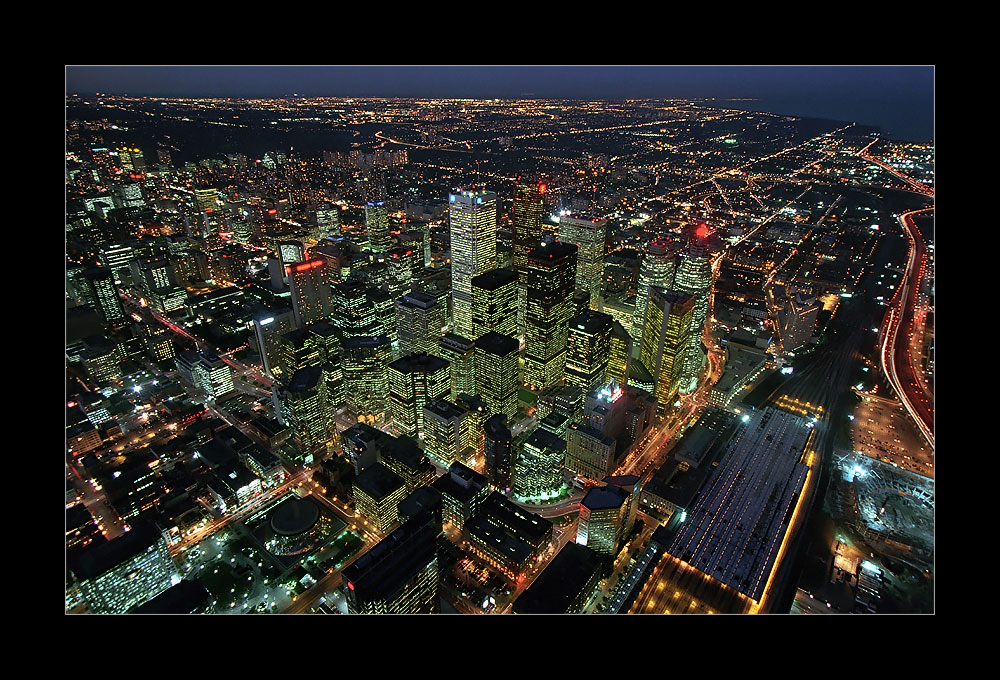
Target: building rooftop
497	343
604	498
378	482
495	279
98	558
187	597
561	583
294	516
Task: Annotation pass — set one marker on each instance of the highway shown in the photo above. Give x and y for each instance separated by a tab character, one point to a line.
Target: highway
917	186
895	357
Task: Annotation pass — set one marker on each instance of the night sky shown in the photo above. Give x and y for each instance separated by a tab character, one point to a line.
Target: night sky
898	99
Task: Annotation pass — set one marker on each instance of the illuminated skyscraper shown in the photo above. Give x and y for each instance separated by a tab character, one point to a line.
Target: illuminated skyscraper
694	276
657	269
101	286
404	264
328	222
312	290
399	575
665	339
603	518
587	232
538	467
324	336
526	220
448	435
473	219
419	320
497	371
415	380
619	353
494	302
305	408
499	450
588	350
206	199
117	576
377	222
461	353
365	365
550	274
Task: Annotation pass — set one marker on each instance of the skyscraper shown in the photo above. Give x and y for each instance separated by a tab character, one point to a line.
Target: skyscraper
526	220
497	372
461	353
102	290
588	350
619	353
305	408
587	232
377	222
694	276
419	320
499	450
656	269
538	467
550	273
365	363
448	435
665	339
494	302
312	290
399	575
415	380
473	219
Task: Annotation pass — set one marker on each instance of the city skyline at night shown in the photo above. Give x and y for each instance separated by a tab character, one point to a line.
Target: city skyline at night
500	339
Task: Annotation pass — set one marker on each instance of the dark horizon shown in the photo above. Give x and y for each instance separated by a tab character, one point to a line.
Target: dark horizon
898	99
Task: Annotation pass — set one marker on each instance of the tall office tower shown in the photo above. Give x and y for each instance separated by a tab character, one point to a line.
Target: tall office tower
473	219
796	321
419	322
377	492
497	371
526	220
312	291
383	310
404	457
305	409
151	275
269	326
365	365
588	233
377	223
478	411
461	353
163	156
206	199
213	376
447	433
324	337
590	452
619	353
499	450
352	315
328	222
290	253
117	257
603	517
117	576
538	467
694	276
415	380
102	290
550	272
656	269
588	349
418	240
527	216
402	267
665	339
157	341
399	575
494	302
